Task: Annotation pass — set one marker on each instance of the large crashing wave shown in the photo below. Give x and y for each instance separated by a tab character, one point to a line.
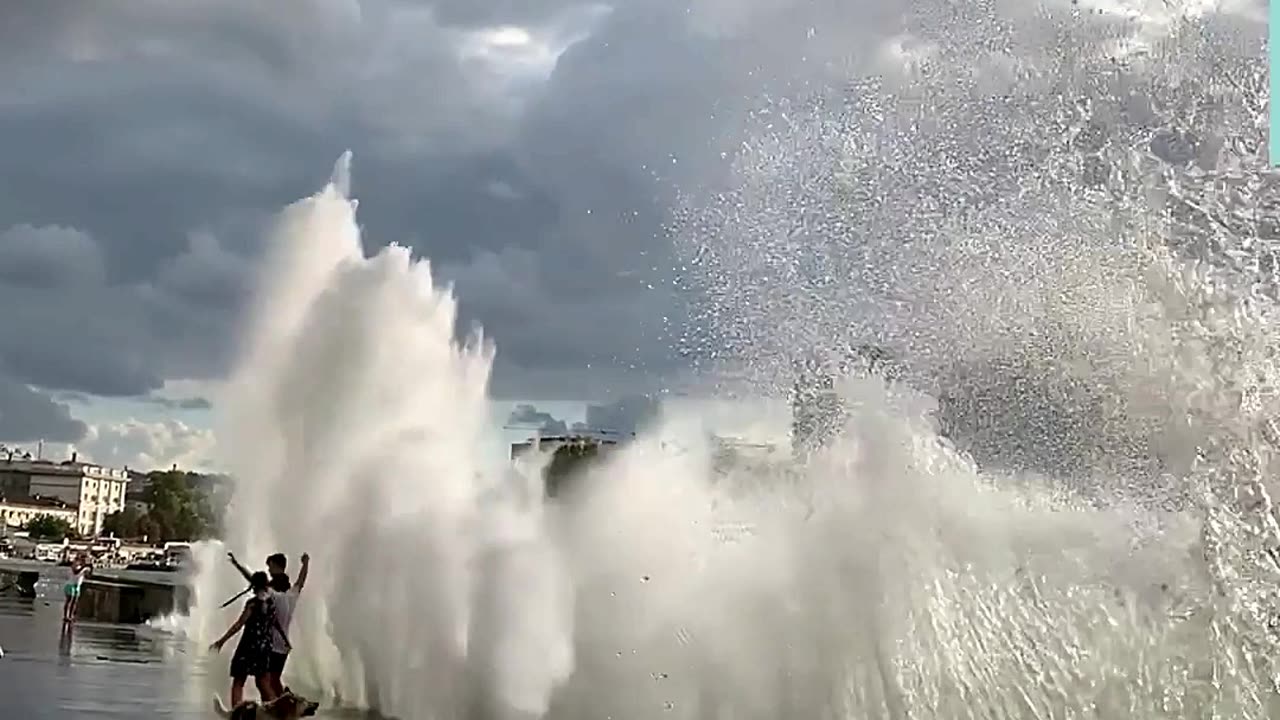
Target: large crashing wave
1065	226
359	431
1037	197
1059	234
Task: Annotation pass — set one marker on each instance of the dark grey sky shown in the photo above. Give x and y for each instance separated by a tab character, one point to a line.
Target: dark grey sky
146	142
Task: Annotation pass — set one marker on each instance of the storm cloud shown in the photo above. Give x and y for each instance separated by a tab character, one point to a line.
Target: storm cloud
532	150
529	149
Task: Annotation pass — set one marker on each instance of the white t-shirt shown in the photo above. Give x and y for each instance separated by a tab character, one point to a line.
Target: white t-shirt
77	578
284	603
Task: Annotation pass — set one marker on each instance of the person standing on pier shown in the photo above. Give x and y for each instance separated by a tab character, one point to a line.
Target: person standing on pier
71	590
252	657
285	597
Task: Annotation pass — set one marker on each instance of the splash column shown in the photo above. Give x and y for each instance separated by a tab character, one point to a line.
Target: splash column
1273	66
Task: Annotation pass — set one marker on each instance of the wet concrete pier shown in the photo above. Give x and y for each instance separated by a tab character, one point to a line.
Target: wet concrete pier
22	582
129	601
114	596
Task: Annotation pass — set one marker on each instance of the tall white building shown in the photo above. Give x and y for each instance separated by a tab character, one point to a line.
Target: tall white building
94	491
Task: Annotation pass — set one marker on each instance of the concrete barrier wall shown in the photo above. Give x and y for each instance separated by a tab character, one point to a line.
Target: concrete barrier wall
21	582
124	602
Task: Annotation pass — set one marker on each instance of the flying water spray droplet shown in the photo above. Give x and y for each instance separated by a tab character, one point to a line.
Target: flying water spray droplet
340	178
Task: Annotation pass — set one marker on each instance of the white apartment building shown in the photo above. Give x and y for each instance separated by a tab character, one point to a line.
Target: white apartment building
92	490
17	513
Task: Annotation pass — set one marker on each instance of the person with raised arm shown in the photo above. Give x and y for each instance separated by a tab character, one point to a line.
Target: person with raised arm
277	563
285	598
71	590
252	657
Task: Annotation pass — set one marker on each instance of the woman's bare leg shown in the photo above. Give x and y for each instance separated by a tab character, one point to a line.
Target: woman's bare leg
237	692
265	691
277	687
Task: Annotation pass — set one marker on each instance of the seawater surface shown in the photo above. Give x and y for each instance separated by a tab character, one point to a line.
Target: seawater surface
96	670
101	670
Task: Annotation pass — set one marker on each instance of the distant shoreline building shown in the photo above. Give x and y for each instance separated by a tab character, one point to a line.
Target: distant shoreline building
570	452
91	491
17	513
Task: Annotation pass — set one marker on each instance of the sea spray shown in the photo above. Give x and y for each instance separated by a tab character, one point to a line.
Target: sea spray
888	576
522	602
356	424
880	594
993	219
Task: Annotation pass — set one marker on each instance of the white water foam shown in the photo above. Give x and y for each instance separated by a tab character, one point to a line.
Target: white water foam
888	577
359	429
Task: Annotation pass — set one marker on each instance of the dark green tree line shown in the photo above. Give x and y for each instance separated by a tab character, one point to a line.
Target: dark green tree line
180	505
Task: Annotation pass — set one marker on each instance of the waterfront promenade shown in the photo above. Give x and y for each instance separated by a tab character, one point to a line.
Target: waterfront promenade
108	594
103	670
100	671
97	670
61	572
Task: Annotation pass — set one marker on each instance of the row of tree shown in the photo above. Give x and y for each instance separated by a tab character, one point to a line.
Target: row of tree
49	528
179	505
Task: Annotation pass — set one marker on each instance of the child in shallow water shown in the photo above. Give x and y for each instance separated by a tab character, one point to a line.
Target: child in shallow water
71	590
252	657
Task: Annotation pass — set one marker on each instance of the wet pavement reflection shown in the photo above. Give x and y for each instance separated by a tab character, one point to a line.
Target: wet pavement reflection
95	670
49	671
